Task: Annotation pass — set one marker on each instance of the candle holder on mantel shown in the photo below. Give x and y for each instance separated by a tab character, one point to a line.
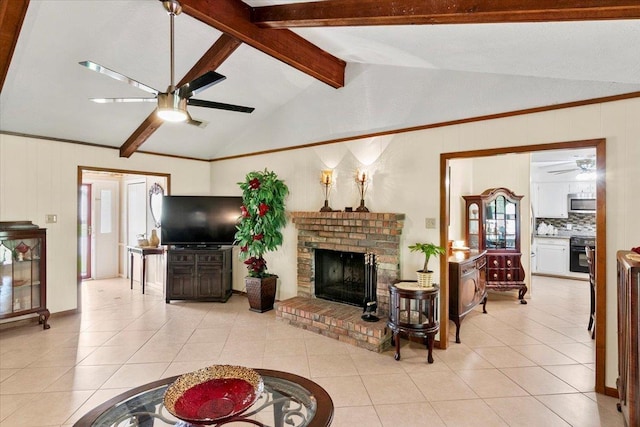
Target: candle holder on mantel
325	179
361	179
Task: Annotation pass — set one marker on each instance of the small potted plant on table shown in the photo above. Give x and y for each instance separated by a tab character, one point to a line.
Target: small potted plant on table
425	276
259	231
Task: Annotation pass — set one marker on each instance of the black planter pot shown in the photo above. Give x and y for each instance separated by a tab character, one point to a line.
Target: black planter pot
261	292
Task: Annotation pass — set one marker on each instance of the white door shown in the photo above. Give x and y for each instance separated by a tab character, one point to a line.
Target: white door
105	230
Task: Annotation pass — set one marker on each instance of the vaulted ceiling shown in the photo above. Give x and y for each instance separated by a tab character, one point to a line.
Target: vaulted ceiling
315	72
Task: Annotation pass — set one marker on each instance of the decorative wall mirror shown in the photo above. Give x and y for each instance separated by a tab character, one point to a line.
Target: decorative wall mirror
155	203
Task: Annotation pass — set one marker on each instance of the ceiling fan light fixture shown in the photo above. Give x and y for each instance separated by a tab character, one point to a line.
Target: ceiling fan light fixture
172	108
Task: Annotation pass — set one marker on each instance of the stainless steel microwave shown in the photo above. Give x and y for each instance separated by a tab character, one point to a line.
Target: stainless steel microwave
581	203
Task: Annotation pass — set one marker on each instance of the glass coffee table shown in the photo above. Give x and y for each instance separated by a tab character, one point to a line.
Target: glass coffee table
287	400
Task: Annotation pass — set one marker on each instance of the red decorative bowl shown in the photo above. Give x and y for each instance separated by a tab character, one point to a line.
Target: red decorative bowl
213	393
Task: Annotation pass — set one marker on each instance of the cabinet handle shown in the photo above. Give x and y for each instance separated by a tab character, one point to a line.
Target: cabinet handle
509	262
495	275
509	276
495	262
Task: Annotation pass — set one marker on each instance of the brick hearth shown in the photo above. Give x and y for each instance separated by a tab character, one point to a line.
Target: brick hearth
334	320
377	233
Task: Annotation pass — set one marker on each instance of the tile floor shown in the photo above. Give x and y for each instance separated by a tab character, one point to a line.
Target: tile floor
518	365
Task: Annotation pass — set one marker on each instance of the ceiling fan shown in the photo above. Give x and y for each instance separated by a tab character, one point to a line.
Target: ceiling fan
585	165
172	104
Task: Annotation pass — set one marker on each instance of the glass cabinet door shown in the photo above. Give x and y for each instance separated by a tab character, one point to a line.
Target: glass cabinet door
473	226
500	223
20	275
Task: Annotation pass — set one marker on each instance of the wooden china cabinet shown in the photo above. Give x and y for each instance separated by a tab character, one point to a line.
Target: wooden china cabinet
23	271
493	224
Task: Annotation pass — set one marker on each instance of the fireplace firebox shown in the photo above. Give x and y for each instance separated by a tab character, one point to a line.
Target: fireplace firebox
340	276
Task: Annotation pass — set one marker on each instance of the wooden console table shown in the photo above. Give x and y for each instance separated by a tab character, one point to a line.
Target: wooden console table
143	252
413	311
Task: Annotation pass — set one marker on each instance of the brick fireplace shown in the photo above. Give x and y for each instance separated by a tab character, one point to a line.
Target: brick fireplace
377	233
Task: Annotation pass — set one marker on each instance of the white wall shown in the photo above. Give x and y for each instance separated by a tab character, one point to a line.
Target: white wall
39	177
406	179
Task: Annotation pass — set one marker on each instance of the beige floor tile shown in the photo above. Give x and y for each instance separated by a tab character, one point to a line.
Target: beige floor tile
112	355
579	377
83	378
18	358
460	357
467	413
52	409
205	335
392	388
545	335
179	368
490	383
9	403
503	357
438	386
339	365
32	380
199	351
295	364
156	352
130	338
375	363
512	336
356	416
136	374
409	414
525	412
319	345
347	391
63	356
6	373
578	410
543	355
535	380
285	347
579	352
472	336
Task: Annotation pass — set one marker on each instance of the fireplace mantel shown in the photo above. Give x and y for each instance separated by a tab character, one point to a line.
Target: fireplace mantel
360	232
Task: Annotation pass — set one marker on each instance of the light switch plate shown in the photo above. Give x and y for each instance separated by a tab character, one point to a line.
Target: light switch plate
51	218
430	222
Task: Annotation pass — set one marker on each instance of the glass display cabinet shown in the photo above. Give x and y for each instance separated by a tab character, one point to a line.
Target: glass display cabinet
493	224
23	271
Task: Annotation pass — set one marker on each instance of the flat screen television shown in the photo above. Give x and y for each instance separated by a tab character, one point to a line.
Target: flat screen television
199	221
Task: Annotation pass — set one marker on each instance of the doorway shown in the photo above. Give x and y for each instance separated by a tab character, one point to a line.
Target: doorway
445	214
113	208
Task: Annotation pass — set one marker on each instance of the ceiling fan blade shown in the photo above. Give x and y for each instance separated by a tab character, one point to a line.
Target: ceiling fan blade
111	100
219	105
561	171
115	75
200	123
199	84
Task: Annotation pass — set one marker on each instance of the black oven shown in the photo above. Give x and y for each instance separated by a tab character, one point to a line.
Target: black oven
577	255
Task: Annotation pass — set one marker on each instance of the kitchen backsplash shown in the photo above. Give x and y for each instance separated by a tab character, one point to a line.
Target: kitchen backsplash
578	221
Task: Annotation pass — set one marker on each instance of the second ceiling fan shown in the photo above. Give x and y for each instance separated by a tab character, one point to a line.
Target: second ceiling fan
172	104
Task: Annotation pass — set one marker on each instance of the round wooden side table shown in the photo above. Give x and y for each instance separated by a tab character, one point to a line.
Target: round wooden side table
413	311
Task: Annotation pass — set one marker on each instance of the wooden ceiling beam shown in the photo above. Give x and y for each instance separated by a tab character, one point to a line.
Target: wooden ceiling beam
12	15
417	12
216	55
234	17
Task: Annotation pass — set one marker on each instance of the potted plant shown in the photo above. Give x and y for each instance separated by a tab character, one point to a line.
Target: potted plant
425	276
259	231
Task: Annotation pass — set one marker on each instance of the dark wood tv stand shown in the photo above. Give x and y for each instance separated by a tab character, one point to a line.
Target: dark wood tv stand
201	274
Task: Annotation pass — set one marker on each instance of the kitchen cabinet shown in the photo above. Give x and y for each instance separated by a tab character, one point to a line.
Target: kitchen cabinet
199	274
582	187
551	199
552	256
493	224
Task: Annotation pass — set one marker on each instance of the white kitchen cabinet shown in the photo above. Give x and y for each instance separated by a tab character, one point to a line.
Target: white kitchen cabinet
582	187
551	199
552	256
